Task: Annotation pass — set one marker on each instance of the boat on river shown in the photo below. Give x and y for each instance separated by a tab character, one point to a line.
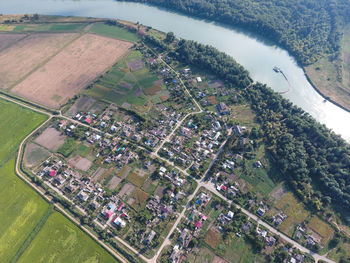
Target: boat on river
277	69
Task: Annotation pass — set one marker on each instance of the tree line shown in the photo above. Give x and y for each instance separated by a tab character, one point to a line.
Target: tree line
309	29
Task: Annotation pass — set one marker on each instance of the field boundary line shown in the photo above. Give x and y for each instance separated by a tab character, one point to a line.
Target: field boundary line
31	236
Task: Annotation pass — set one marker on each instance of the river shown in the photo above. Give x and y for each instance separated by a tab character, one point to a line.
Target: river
256	55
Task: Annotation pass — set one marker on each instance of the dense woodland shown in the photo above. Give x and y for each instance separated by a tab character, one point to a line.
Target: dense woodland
309	29
314	160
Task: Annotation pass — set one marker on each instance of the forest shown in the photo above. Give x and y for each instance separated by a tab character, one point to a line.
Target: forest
313	160
308	29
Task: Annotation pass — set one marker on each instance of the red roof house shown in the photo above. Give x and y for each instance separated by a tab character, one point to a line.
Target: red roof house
198	224
88	120
108	214
120	207
52	173
223	188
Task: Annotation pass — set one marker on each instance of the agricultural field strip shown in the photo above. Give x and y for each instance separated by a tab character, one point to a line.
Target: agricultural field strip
206	185
42	63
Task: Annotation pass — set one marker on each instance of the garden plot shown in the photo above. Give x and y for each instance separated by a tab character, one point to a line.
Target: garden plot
51	139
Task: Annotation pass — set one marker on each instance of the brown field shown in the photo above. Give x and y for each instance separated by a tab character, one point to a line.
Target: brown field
100	171
136	179
140	199
8	39
51	139
152	90
84	103
80	163
35	154
114	182
126	190
159	191
71	70
218	259
213	238
321	228
24	56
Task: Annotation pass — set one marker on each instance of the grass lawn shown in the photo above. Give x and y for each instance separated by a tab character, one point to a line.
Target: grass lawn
114	31
322	228
15	124
137	180
238	250
294	210
68	147
60	241
21	210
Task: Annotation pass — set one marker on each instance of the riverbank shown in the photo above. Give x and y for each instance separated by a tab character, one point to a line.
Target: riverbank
329	98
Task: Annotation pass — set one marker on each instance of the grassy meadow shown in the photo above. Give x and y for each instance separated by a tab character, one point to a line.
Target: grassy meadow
21	210
60	241
15	124
113	31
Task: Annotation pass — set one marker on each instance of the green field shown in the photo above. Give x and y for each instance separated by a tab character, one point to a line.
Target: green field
21	209
113	31
16	122
64	27
60	241
68	147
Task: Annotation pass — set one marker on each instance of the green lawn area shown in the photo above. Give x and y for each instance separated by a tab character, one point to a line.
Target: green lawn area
15	124
68	147
113	31
239	251
21	209
60	241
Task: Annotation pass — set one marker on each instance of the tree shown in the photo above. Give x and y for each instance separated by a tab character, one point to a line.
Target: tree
170	37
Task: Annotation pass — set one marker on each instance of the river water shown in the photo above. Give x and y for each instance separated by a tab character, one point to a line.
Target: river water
255	54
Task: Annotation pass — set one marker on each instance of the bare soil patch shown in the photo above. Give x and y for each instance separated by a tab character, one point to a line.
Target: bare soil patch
97	174
35	155
136	64
24	56
218	259
8	39
159	191
214	84
114	182
147	184
84	103
71	70
126	190
126	85
152	90
213	238
80	163
51	139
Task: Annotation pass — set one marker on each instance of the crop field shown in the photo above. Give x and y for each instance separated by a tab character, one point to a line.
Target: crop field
8	39
71	70
26	55
123	85
15	123
21	209
60	241
321	228
113	31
